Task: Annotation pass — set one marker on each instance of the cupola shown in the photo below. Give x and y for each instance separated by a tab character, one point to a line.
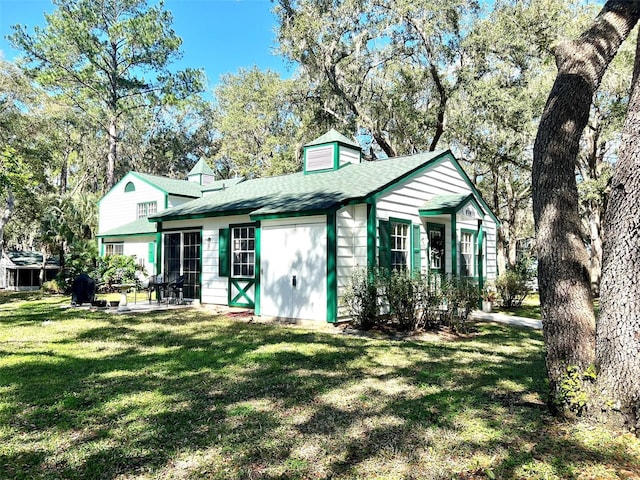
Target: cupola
201	173
330	152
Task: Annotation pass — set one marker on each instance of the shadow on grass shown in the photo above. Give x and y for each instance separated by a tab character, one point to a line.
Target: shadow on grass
132	395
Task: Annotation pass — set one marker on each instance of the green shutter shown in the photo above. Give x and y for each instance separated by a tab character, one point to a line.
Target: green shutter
224	254
415	249
152	253
384	255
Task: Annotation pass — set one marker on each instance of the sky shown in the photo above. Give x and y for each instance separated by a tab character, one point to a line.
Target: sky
220	36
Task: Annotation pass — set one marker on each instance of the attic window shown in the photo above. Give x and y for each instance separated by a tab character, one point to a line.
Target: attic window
130	187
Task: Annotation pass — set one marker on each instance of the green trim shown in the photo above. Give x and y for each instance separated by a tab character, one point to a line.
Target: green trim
399	220
384	245
242	292
442	228
454	246
416	249
228	213
481	277
159	250
302	213
371	235
336	159
166	201
184	229
101	244
332	269
256	268
224	252
126	235
257	292
201	264
475	191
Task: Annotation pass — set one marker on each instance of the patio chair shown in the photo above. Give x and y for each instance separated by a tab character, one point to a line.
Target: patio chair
175	290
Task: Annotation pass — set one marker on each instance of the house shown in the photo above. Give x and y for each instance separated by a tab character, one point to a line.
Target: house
20	270
286	246
123	225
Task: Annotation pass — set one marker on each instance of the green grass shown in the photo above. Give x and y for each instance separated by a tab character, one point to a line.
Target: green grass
187	394
530	308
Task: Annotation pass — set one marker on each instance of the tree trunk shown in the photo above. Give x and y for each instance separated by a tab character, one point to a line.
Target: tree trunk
618	330
563	275
112	156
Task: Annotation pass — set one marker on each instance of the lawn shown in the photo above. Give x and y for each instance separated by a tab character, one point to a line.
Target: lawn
187	394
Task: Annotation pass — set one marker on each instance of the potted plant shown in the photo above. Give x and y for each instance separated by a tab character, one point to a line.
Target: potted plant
489	296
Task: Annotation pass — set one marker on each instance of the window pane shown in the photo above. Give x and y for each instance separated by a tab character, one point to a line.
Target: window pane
243	251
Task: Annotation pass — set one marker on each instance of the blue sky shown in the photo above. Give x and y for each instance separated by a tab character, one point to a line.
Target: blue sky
220	36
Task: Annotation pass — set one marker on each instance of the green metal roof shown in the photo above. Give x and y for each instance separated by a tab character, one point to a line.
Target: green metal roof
141	226
30	259
301	194
332	136
201	168
172	186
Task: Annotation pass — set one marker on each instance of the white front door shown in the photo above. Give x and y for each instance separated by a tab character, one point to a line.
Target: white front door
294	271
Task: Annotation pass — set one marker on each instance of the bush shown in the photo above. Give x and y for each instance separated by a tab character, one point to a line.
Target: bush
414	302
52	286
82	257
405	293
460	295
512	287
115	269
361	298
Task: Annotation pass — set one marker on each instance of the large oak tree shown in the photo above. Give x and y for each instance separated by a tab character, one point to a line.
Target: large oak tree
566	304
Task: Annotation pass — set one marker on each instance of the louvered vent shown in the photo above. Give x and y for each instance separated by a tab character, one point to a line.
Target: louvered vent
320	158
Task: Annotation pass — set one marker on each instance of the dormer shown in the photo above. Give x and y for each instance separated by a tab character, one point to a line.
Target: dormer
201	173
330	152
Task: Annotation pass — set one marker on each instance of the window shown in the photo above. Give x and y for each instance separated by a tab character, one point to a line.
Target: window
113	249
436	247
147	208
399	246
130	187
243	253
467	253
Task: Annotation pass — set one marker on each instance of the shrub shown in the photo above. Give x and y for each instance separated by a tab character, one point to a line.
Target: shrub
461	296
361	298
512	287
51	286
115	269
405	294
81	258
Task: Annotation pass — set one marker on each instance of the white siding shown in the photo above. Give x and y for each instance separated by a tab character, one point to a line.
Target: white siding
118	207
404	202
175	201
137	247
351	223
215	289
348	155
